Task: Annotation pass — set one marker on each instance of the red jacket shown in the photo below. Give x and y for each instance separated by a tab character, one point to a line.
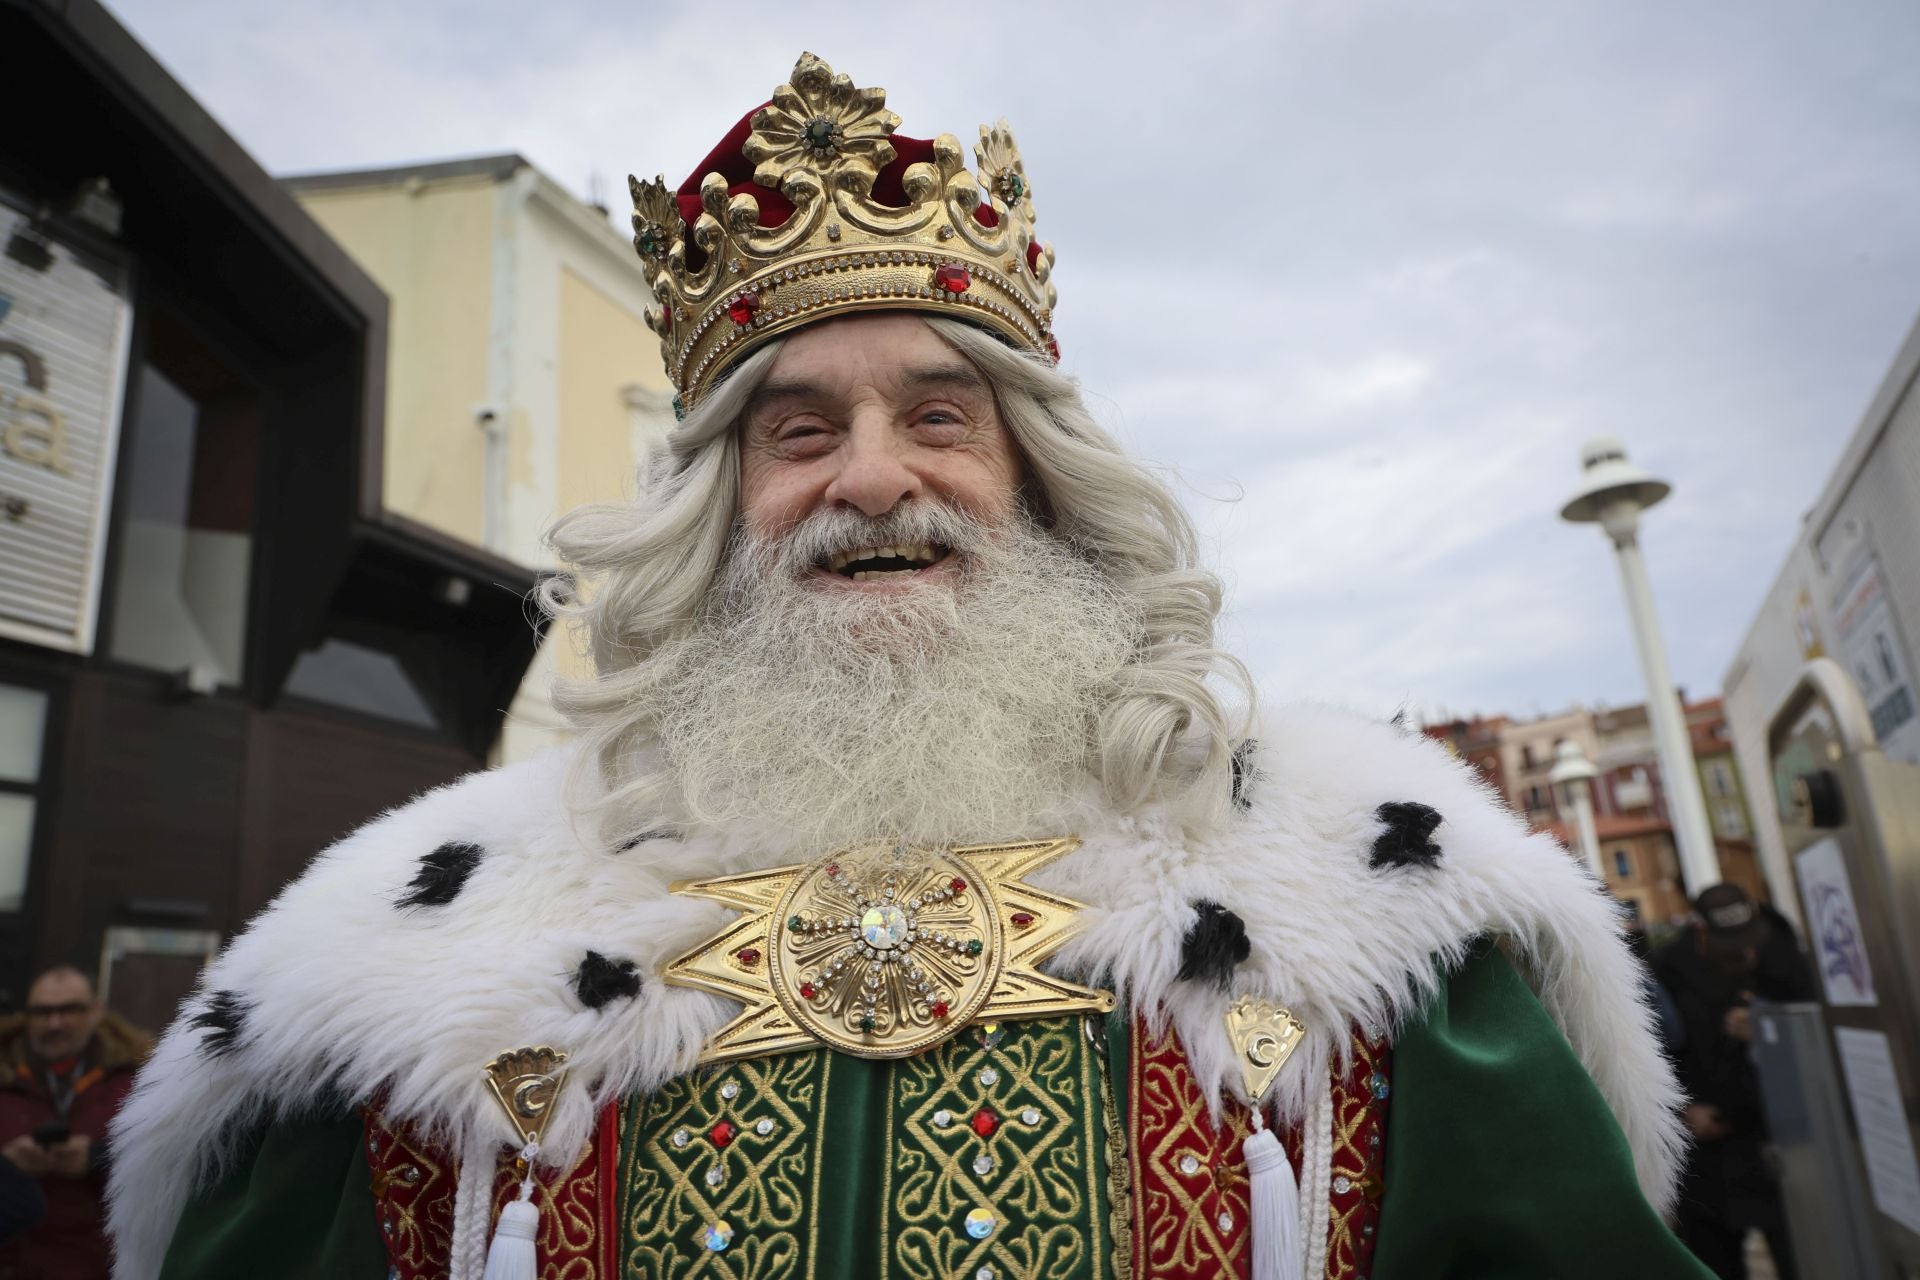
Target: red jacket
70	1243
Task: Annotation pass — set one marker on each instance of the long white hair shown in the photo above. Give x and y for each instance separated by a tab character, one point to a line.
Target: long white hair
644	570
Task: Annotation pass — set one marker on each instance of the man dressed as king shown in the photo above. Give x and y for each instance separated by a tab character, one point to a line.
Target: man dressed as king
923	895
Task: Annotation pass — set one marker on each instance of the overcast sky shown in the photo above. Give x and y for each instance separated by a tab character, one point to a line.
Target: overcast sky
1366	275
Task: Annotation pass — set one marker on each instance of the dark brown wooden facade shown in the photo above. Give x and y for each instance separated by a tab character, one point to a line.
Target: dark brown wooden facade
170	801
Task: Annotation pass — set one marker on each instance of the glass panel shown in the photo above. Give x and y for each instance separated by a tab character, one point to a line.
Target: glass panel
23	723
341	673
185	544
16	841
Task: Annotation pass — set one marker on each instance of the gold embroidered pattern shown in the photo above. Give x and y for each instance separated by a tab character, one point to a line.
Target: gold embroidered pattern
682	1171
568	1244
1044	1144
1358	1163
413	1195
1190	1191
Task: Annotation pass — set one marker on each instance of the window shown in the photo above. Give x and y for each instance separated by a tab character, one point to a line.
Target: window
185	534
341	673
1526	757
1623	863
23	723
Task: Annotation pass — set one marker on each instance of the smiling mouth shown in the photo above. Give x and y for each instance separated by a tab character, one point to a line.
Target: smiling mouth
860	564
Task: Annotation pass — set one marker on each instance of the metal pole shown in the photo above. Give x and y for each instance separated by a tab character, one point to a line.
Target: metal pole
1583	827
1699	861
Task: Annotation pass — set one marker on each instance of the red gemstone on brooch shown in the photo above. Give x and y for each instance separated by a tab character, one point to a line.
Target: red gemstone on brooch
743	307
808	991
722	1133
952	277
1053	348
749	956
940	1008
984	1122
833	868
1021	919
957	885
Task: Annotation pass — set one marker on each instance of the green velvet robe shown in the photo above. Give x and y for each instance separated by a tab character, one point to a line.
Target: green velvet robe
1503	1162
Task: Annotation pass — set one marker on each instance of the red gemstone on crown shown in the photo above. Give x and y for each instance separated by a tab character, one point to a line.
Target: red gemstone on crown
833	868
957	885
940	1008
984	1122
749	956
808	991
1053	347
722	1133
743	307
1021	919
952	277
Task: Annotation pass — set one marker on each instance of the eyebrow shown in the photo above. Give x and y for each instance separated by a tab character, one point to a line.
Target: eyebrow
773	390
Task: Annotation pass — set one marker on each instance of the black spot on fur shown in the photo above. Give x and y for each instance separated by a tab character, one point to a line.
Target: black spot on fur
1243	774
1405	842
599	980
442	875
632	842
223	1017
1216	941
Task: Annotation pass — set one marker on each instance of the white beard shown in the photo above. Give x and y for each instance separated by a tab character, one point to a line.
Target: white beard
962	709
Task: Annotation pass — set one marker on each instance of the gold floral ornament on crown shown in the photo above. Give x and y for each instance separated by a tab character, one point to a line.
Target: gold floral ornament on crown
884	950
822	143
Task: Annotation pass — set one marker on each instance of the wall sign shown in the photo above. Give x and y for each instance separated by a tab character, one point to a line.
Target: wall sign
64	321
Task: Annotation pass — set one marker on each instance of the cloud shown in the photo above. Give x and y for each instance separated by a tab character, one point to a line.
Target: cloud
1366	274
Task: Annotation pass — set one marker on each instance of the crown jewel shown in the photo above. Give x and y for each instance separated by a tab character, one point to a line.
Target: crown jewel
844	220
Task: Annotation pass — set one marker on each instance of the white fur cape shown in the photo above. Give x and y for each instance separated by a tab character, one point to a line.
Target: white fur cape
345	994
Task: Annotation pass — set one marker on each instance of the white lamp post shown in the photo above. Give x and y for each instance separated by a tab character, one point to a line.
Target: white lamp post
1613	494
1574	774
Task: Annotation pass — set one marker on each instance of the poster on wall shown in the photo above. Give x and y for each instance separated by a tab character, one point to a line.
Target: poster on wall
1833	925
1871	649
64	321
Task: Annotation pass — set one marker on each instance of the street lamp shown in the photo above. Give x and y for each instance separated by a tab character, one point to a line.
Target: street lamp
1574	774
1613	494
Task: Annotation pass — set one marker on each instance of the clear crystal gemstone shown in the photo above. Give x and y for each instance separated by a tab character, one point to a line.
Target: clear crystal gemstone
1189	1163
983	1164
681	1137
884	927
730	1090
763	1127
941	1119
1030	1116
989	1077
1342	1184
1226	1220
716	1176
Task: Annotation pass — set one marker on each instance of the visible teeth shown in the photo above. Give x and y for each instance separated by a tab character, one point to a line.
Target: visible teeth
916	553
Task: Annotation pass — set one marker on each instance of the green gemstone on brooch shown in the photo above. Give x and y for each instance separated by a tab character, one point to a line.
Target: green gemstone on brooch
679	410
793	923
1016	186
819	133
974	947
866	1024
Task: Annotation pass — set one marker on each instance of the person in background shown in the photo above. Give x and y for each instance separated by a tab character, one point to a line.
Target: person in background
67	1066
1734	953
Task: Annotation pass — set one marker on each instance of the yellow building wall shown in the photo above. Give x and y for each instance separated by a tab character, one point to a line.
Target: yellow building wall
431	250
603	349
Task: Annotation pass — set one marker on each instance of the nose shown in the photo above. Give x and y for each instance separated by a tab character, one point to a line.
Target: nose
874	478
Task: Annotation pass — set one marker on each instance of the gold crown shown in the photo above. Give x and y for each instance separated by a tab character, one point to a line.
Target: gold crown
732	283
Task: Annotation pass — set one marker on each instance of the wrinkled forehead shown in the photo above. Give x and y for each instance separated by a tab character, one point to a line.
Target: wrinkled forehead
60	987
862	357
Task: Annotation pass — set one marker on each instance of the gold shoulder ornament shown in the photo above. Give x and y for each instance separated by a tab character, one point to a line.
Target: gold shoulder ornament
885	949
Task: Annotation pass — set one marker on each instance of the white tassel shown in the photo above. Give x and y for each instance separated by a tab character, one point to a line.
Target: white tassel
1276	1206
513	1256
